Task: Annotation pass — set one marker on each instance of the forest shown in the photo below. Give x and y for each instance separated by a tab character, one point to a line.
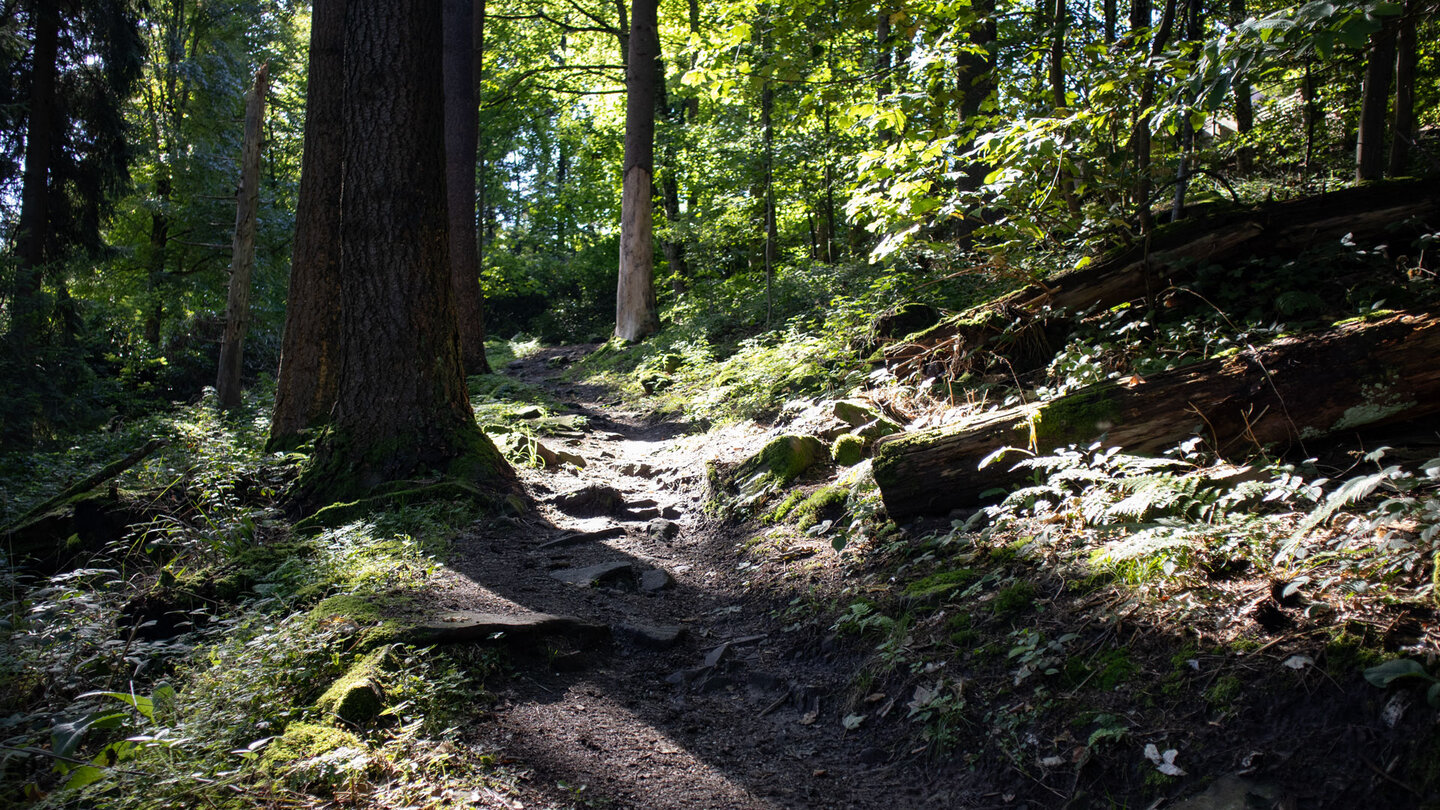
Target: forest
720	404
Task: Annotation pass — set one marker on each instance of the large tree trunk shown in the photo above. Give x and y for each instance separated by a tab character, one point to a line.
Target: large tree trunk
635	308
242	252
401	409
1374	103
1146	269
461	141
27	315
1348	377
310	352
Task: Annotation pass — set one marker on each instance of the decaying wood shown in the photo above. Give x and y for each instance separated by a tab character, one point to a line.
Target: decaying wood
1169	256
84	486
1350	376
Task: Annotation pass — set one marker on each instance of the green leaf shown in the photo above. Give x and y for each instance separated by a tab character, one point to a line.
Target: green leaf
84	775
65	737
1390	671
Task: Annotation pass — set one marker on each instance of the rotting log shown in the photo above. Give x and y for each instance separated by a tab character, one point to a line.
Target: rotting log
1353	375
1170	255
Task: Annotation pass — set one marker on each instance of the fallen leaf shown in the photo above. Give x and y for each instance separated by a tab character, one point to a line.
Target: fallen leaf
852	721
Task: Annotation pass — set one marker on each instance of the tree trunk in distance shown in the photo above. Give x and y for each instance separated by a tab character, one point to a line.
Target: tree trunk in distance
401	410
242	251
1244	104
1374	103
1060	22
635	308
461	142
675	123
1140	141
767	124
1344	378
1402	127
310	349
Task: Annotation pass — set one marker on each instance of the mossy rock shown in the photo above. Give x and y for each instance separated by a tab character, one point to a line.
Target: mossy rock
358	697
783	459
671	363
848	450
854	412
826	503
653	381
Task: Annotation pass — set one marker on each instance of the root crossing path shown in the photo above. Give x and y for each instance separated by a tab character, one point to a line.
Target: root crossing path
700	697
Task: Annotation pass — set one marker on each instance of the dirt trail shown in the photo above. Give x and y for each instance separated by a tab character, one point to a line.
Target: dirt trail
734	713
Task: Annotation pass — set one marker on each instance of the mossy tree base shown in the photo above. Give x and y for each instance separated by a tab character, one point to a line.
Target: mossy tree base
1353	375
349	471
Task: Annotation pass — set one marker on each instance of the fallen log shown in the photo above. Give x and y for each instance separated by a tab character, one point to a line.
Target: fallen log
1170	255
1355	374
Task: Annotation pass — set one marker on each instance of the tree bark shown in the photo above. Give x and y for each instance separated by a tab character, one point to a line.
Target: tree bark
1348	377
482	229
1374	103
1244	104
27	312
635	308
31	232
1144	270
401	410
242	252
310	350
461	143
1140	140
1402	128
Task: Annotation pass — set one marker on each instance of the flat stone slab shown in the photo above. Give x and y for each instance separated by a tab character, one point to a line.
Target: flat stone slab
655	580
470	625
592	574
657	637
577	538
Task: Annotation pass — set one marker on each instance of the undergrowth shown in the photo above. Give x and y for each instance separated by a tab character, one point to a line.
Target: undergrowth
166	668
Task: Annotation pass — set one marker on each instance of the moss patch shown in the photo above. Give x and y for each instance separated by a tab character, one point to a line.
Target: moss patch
1078	417
1014	599
302	741
378	619
941	584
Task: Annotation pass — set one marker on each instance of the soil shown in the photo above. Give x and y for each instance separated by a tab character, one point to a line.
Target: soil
711	691
730	712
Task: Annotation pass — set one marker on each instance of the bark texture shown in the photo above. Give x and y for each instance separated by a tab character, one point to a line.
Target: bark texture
461	141
1173	253
242	252
1350	376
635	308
1374	104
309	359
401	408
